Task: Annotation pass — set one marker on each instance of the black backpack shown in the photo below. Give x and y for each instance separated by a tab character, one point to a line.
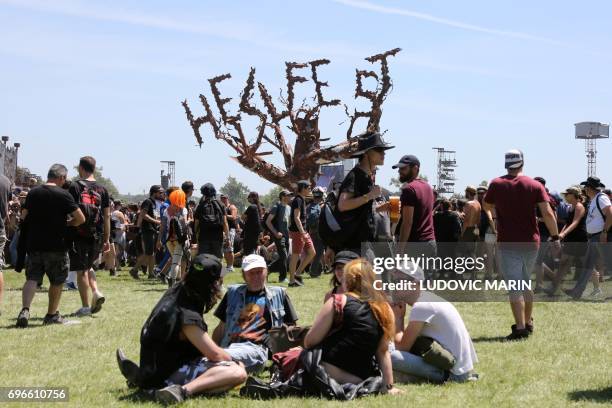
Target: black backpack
211	215
274	220
90	203
179	227
600	210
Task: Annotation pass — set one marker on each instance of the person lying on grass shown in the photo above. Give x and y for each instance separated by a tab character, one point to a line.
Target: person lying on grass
177	356
367	327
434	327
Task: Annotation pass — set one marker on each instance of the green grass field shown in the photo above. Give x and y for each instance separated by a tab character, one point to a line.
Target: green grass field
567	362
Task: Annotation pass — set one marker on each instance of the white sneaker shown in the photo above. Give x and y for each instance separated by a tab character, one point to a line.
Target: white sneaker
96	302
596	294
84	311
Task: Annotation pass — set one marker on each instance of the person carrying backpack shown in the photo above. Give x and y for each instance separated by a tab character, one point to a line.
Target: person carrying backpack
598	228
277	223
91	237
210	223
313	213
174	229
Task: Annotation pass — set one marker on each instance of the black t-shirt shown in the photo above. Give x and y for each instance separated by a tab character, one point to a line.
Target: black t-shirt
47	208
148	207
252	225
358	183
75	191
209	232
158	360
255	320
447	226
297	203
353	346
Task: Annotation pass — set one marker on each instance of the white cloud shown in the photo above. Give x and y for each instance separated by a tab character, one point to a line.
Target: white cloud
365	5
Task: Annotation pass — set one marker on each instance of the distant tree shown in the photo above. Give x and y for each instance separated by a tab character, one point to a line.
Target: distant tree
236	191
104	181
271	197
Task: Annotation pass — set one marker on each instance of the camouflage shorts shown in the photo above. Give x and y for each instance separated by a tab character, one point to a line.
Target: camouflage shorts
53	264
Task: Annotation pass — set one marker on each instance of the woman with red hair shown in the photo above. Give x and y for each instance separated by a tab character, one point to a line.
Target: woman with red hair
367	328
174	226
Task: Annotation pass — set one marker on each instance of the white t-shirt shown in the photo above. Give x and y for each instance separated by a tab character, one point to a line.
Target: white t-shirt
444	324
595	223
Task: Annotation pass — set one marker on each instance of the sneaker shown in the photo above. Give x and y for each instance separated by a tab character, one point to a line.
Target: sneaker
538	289
23	318
54	319
283	281
299	279
570	293
517	334
82	312
295	284
173	394
596	294
113	272
96	302
134	273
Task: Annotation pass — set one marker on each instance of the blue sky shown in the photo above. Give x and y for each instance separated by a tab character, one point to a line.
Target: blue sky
106	78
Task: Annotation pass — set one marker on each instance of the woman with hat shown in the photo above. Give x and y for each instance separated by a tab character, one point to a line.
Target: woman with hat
178	358
358	191
574	238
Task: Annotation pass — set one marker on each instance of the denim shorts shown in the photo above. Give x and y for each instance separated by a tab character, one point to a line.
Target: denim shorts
250	354
516	266
192	370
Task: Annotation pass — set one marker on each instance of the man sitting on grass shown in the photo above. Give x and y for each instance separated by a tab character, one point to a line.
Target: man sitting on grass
248	311
434	318
177	356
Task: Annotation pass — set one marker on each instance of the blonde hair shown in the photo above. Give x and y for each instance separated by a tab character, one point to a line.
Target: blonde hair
359	281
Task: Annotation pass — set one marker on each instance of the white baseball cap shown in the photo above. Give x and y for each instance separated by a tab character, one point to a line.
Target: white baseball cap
514	159
253	261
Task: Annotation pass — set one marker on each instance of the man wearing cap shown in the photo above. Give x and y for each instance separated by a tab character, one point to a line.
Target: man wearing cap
514	198
598	228
248	311
228	247
278	225
358	192
300	238
416	224
178	358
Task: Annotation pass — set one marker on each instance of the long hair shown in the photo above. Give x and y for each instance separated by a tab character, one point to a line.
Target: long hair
255	197
359	280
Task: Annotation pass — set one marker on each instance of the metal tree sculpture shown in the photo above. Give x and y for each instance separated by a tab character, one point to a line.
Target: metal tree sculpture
303	161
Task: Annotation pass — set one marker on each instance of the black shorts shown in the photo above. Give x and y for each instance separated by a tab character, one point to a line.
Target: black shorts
83	253
211	247
53	264
148	239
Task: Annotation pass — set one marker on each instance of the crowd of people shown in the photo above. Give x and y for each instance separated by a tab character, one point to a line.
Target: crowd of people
361	338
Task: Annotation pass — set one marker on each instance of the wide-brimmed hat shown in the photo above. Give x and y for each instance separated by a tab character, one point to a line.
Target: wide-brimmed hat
369	141
593	182
572	190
